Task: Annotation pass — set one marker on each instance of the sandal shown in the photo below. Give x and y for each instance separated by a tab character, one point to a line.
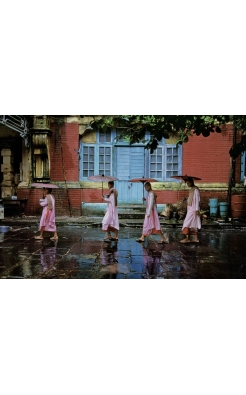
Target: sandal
184	241
162	242
54	238
114	238
140	240
38	237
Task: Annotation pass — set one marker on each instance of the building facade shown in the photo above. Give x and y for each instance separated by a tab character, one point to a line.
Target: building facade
66	151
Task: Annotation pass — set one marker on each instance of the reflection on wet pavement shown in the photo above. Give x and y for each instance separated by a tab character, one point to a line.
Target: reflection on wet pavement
81	253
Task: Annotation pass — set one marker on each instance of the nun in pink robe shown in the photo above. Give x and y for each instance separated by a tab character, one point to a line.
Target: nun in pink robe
47	221
151	223
192	221
111	221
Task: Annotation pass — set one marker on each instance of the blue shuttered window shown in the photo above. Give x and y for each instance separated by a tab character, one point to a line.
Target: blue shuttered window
243	166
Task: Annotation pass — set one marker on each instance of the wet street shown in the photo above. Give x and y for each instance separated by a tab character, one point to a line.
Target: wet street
81	253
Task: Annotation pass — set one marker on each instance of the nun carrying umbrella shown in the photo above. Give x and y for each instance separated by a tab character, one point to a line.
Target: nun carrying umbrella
47	221
192	221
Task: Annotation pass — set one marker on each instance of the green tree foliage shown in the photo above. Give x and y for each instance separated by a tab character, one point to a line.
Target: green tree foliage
134	127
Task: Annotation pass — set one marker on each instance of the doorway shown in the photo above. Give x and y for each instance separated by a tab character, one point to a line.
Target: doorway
130	163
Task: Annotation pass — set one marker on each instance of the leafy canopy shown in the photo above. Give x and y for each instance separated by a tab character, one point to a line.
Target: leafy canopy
134	127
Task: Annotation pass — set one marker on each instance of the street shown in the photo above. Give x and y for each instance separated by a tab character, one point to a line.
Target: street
81	253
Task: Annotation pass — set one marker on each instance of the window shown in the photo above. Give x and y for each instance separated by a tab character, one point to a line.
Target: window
105	160
123	138
88	161
243	165
165	162
104	137
95	160
172	162
156	164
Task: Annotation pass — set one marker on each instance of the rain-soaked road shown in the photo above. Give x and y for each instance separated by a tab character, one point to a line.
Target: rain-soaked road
81	253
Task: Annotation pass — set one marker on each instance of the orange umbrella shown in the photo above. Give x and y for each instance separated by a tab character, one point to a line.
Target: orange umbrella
143	180
102	179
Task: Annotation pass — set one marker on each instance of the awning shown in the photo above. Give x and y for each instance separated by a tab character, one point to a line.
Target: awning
17	123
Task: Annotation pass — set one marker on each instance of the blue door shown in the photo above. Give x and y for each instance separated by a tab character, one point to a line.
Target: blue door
130	163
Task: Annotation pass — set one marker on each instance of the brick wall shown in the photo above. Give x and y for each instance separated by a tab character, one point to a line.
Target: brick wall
208	158
61	197
64	144
92	195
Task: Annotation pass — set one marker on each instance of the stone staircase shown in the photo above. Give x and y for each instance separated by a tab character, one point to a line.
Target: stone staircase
125	211
135	211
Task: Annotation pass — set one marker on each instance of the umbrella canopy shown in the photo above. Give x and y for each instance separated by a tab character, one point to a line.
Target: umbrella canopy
143	180
42	185
102	179
184	178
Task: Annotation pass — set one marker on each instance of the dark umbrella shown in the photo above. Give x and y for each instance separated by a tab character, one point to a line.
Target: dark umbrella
102	179
184	178
143	180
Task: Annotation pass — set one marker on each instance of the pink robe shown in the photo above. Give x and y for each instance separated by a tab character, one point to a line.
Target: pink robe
47	221
152	223
110	220
192	220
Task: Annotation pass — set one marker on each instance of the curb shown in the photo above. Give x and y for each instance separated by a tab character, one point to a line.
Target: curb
96	222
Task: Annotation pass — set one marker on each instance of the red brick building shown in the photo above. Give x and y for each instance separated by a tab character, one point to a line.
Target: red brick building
67	152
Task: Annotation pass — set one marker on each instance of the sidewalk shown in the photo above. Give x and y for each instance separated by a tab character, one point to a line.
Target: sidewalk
82	253
85	221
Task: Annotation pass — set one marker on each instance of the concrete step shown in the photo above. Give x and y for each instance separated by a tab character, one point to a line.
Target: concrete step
128	210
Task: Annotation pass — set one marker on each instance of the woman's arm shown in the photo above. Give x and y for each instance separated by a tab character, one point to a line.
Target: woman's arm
151	201
197	200
44	203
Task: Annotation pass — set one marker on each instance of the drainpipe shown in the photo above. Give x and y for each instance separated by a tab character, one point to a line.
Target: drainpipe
231	183
63	168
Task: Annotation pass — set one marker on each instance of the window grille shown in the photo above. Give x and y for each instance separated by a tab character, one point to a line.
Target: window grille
105	160
156	165
172	162
88	161
105	137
